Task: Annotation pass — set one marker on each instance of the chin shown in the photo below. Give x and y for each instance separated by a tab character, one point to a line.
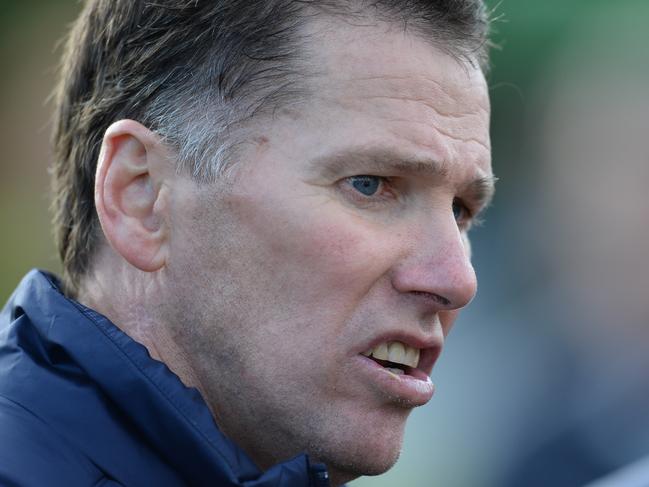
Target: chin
372	453
346	471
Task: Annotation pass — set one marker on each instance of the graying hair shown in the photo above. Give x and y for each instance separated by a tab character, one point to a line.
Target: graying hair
195	72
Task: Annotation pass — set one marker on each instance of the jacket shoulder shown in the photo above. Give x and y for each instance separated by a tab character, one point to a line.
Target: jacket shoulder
32	454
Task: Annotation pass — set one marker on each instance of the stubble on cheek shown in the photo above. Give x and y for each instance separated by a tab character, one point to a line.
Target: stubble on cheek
270	288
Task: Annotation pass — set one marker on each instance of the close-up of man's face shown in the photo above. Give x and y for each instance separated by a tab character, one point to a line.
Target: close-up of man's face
312	288
262	214
239	234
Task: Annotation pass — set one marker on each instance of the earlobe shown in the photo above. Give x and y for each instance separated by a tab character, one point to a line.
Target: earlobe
130	193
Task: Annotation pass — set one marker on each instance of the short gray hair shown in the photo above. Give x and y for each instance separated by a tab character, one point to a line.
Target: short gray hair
194	71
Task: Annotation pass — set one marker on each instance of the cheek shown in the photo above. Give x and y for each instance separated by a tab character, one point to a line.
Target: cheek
447	319
319	247
344	250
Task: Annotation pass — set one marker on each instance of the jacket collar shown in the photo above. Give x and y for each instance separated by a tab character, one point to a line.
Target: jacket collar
171	416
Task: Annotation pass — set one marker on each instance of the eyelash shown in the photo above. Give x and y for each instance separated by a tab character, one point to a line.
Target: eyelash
378	197
466	221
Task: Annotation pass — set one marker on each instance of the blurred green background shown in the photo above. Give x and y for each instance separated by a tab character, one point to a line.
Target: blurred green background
543	380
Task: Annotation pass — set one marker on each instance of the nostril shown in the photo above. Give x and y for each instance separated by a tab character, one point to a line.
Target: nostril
435	297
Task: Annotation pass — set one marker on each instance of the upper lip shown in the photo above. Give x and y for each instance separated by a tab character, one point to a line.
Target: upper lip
430	346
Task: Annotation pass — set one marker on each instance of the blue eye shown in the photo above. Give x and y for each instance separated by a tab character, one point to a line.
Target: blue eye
367	185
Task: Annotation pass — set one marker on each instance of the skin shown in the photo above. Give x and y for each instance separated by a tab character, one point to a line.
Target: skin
263	288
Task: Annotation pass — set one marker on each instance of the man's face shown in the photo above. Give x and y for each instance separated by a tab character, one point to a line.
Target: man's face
342	230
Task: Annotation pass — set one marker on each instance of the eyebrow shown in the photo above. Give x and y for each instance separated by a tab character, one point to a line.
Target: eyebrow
480	190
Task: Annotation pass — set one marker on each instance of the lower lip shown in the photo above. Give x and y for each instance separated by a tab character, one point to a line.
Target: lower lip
410	390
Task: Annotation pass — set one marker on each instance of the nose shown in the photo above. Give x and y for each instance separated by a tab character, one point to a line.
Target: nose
436	265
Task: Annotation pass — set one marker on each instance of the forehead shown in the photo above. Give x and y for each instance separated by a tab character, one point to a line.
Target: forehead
383	50
380	82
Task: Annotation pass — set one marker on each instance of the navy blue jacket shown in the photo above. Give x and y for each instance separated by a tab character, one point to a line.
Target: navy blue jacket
83	404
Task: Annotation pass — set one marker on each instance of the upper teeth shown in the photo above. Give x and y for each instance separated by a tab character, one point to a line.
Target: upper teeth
396	352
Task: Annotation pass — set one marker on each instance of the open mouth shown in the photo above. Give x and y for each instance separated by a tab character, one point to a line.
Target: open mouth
396	357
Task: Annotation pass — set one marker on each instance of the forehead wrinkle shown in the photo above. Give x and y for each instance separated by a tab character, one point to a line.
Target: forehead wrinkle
412	72
422	90
475	140
423	77
445	117
427	102
433	124
398	80
446	133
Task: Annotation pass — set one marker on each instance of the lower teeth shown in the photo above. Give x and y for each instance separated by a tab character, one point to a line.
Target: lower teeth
395	370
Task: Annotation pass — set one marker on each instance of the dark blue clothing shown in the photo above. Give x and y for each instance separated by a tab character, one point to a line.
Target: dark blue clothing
83	404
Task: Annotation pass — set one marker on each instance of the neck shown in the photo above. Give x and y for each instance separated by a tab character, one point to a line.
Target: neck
128	298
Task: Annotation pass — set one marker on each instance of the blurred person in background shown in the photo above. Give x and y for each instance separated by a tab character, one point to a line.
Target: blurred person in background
262	213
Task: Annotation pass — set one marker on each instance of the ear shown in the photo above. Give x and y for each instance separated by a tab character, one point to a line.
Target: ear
130	196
